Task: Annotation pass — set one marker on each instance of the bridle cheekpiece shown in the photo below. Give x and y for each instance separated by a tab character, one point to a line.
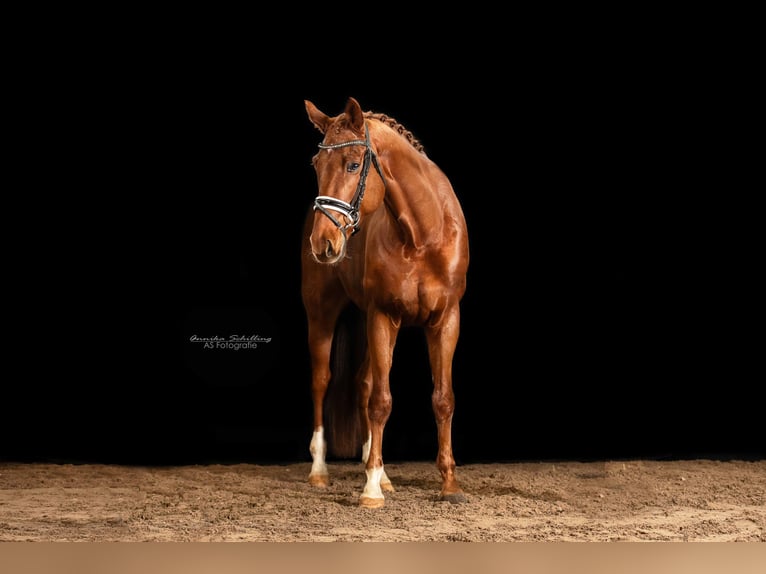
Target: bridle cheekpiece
326	204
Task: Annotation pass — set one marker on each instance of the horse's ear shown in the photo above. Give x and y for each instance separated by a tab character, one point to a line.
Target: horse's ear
355	115
317	117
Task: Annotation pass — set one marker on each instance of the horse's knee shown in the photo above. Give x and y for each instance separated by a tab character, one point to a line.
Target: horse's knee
380	407
443	405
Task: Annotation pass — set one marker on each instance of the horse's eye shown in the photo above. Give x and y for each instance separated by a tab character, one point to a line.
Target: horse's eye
352	167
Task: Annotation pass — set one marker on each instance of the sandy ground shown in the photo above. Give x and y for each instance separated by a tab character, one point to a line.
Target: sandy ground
634	500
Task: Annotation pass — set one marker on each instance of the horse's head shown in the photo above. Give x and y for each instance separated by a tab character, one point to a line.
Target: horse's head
342	166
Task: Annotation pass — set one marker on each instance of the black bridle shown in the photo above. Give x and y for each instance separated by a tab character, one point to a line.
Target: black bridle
326	204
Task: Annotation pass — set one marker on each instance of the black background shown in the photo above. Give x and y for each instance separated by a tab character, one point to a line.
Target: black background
609	293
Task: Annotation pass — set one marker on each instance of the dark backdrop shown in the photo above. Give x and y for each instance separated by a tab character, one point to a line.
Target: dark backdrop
608	293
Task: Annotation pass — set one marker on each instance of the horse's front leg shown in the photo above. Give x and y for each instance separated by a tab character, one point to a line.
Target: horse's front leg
442	336
321	327
320	344
381	334
365	391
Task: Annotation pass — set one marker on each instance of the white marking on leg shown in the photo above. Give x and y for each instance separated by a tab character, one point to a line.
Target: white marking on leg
318	451
384	480
366	448
372	488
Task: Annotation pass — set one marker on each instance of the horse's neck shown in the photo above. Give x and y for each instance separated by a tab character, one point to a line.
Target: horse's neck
413	201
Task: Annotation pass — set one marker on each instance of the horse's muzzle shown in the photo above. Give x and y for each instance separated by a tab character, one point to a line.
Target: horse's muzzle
328	247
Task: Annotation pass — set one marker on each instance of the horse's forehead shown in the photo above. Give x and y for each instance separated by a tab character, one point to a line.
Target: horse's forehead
339	131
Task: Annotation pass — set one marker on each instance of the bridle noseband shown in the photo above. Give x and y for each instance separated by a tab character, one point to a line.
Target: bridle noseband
326	204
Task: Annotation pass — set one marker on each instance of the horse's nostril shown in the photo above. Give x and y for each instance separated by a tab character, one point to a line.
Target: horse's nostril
329	251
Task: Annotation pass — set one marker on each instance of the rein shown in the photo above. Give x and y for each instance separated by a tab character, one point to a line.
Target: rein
326	204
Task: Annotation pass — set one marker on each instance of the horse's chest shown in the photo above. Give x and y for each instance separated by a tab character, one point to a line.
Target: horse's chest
412	293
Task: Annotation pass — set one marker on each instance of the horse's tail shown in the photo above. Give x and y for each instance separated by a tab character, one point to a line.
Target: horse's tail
341	404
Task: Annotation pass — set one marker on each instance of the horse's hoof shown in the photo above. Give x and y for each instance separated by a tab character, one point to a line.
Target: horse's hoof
319	480
387	486
454	498
367	502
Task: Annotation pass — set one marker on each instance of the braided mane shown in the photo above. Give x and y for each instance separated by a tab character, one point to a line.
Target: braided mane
397	127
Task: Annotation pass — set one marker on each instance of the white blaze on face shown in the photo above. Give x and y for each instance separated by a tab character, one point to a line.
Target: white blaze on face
372	488
318	451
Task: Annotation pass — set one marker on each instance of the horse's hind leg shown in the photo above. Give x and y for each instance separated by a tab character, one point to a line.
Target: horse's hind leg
442	336
365	389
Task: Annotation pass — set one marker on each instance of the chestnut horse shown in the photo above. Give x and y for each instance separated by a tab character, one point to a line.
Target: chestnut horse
392	241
